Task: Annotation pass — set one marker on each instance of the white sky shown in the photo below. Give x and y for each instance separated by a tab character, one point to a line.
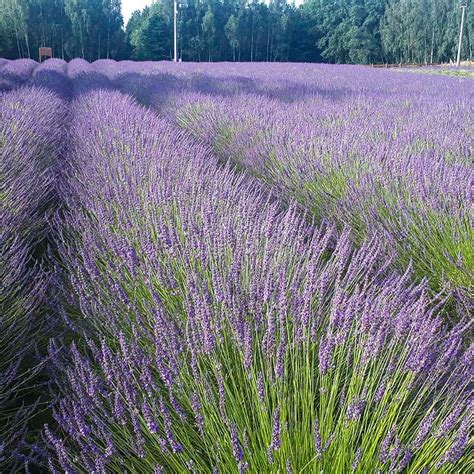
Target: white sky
129	6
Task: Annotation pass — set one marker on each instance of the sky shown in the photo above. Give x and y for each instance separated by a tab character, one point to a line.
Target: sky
129	6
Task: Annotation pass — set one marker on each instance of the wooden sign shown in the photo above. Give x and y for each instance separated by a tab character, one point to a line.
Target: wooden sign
45	52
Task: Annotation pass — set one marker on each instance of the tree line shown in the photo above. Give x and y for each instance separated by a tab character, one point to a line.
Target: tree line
337	31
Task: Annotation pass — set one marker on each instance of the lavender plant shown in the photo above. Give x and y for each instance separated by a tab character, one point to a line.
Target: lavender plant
30	132
211	326
13	74
388	176
392	159
225	334
52	75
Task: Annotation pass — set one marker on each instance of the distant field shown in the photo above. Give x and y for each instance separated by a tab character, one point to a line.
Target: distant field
464	71
235	267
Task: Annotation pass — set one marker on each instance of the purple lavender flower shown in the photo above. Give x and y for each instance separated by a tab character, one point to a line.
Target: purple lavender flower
318	444
326	349
60	450
276	430
237	450
149	417
405	460
196	407
357	457
261	388
384	453
457	449
176	447
424	430
450	421
270	455
355	409
119	409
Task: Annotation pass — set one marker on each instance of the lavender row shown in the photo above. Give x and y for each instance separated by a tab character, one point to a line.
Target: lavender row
225	334
50	74
13	74
239	449
384	164
387	153
31	121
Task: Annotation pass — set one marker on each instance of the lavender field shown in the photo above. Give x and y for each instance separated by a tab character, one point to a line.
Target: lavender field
229	268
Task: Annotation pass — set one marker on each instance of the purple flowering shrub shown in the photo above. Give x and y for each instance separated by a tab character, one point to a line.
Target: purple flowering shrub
13	74
221	332
211	326
52	74
30	131
384	152
390	176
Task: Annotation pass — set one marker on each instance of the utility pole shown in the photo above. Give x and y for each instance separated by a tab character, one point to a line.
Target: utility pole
176	31
458	60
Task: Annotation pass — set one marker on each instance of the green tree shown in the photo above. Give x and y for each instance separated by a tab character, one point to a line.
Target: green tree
338	31
232	33
347	31
14	13
209	30
113	23
424	30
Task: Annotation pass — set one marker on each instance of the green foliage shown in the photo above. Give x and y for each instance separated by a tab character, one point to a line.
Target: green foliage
208	29
150	32
425	31
232	33
91	29
339	31
348	30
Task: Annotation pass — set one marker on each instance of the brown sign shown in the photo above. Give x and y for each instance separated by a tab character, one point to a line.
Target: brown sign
45	52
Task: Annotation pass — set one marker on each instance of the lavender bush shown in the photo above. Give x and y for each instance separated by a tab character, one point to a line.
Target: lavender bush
388	153
15	73
52	74
396	164
30	132
254	272
225	334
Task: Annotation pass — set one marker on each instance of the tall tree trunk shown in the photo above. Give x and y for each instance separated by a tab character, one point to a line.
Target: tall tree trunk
43	33
17	36
268	42
98	48
256	46
432	44
108	38
272	43
27	44
251	40
82	44
199	42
